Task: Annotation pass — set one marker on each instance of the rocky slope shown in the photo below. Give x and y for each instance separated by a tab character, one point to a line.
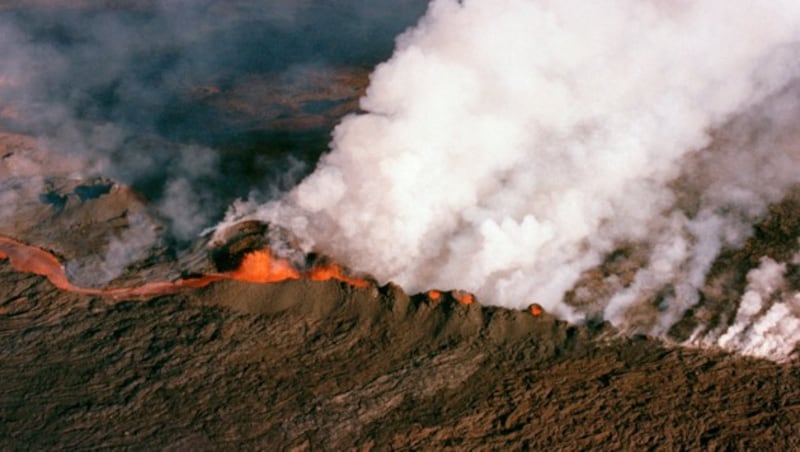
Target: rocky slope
322	365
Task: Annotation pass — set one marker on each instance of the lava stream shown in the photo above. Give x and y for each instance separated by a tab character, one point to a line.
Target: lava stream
30	259
257	266
333	271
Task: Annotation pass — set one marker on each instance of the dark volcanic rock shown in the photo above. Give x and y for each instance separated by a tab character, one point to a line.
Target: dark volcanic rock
310	365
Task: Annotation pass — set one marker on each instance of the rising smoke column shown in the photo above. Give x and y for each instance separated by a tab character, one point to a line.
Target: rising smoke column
508	146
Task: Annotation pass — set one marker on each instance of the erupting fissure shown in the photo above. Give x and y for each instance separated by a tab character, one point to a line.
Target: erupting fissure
257	266
262	267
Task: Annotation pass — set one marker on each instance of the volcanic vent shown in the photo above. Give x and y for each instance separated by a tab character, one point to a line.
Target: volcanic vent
253	251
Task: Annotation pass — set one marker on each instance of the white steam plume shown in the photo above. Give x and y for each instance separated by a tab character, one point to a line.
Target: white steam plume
510	145
767	323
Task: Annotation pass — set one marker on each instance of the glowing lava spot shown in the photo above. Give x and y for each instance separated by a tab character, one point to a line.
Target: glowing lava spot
434	295
536	309
261	267
464	297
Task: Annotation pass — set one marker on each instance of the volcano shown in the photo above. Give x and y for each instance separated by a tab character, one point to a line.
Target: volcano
166	279
301	362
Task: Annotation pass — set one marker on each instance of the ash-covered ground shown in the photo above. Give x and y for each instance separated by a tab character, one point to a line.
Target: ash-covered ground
301	364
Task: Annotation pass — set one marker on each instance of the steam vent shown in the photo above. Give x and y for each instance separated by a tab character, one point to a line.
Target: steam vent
400	225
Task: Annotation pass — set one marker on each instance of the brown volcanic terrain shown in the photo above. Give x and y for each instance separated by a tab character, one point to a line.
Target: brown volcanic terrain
325	365
303	364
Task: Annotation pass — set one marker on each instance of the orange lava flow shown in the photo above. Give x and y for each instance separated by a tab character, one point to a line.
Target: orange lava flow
536	310
257	266
30	259
434	295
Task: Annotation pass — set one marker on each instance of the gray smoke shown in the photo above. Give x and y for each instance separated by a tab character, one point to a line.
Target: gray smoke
116	84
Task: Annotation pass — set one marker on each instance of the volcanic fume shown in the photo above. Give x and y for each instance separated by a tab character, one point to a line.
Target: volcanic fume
508	146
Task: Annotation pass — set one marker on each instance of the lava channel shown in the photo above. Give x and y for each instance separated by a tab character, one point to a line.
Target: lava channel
258	266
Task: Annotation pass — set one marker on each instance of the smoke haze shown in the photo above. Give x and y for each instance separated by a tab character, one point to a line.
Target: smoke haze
121	86
145	91
509	146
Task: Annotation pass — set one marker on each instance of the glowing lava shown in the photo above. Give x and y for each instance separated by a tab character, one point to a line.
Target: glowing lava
30	259
333	271
261	267
258	266
464	297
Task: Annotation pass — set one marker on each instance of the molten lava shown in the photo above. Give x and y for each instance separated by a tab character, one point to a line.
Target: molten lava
333	271
258	266
29	259
536	310
464	297
261	267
